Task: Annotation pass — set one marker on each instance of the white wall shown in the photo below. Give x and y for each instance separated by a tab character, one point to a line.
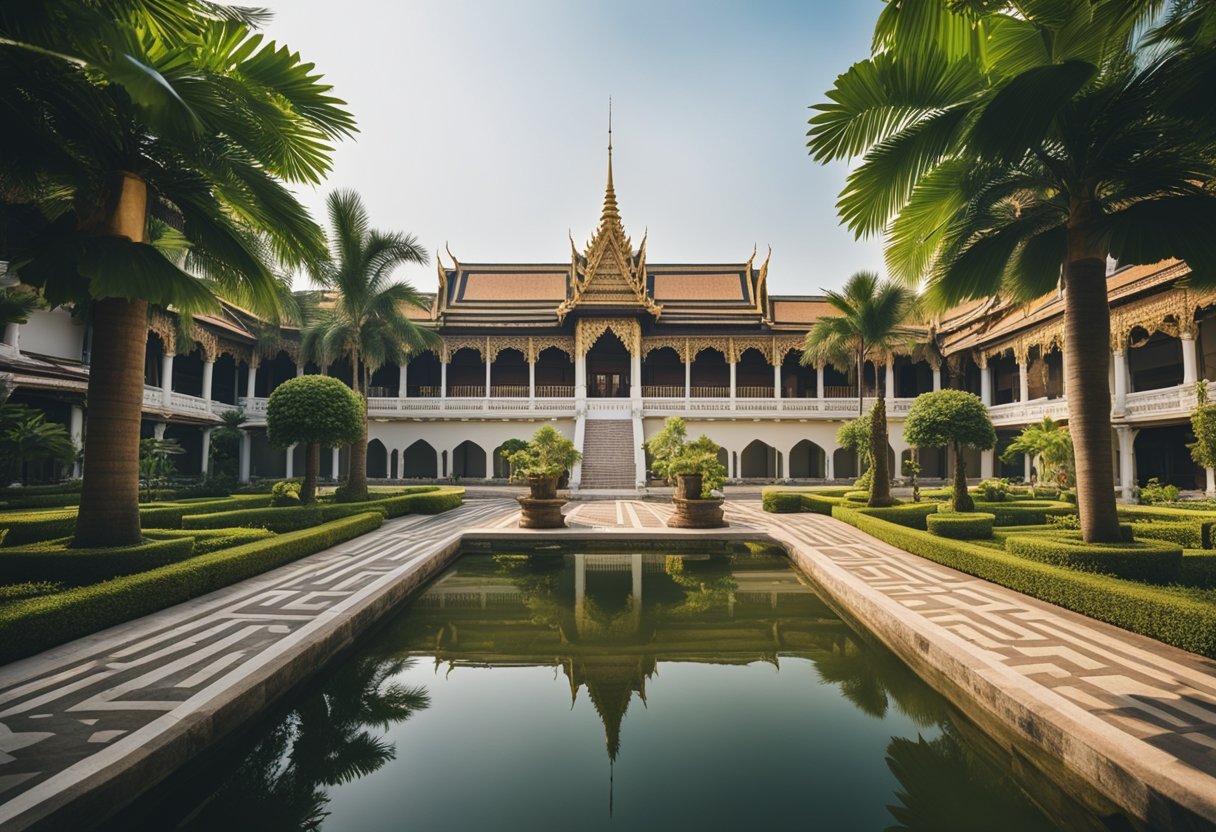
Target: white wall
54	333
445	436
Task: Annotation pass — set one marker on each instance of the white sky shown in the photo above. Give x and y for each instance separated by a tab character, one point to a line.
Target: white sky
483	125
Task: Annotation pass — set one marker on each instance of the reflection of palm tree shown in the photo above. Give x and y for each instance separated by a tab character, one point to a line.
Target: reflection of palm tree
945	787
871	677
325	740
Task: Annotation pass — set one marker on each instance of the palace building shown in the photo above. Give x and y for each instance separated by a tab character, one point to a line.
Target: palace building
606	345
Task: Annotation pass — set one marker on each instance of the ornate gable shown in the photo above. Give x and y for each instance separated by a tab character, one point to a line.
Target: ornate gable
608	274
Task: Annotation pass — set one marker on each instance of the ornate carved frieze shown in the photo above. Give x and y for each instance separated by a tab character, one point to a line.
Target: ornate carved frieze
498	343
679	344
589	330
540	343
782	344
738	346
697	345
454	343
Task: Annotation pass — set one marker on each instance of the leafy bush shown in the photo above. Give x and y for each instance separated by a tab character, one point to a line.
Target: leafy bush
1154	492
285	493
1072	522
54	561
994	490
1156	562
34	624
969	525
548	455
1170	615
782	502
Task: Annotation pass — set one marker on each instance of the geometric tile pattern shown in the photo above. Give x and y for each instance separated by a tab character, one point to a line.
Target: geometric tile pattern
59	709
63	712
1163	696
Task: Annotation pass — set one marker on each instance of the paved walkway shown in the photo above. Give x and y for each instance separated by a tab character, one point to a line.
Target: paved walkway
71	717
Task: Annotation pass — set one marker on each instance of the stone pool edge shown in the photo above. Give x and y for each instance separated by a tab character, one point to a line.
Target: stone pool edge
95	788
1111	762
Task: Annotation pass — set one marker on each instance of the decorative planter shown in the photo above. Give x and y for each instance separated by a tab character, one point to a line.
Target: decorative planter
696	514
688	486
541	509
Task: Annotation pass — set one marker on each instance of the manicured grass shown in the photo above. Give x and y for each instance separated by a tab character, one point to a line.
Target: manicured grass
34	624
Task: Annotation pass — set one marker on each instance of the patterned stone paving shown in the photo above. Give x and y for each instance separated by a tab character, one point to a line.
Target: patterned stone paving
69	712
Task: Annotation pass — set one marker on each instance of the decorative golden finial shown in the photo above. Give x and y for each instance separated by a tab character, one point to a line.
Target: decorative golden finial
611	213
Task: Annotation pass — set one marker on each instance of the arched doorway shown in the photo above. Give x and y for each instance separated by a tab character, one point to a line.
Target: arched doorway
1162	453
377	460
419	461
844	464
710	374
759	461
608	368
807	461
469	460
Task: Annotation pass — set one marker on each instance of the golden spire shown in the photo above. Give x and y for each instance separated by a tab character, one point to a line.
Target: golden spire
610	214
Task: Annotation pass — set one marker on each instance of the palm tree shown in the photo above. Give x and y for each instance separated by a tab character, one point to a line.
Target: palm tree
873	321
361	316
1050	449
1009	148
128	122
26	437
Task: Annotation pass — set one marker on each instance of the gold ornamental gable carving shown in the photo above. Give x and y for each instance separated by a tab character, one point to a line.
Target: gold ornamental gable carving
207	342
498	343
696	346
738	346
165	329
782	344
679	344
540	343
453	344
589	330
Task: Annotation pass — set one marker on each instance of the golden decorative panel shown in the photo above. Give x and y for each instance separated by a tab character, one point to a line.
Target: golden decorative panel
680	345
540	343
453	344
738	346
498	343
697	345
589	330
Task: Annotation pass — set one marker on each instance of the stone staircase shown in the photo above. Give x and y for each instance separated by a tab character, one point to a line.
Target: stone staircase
608	455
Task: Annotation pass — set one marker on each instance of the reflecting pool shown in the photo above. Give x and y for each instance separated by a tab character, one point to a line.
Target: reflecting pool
616	691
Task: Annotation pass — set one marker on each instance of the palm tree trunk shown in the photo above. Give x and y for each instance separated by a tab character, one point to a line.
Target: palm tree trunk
961	499
312	472
356	478
109	496
1087	354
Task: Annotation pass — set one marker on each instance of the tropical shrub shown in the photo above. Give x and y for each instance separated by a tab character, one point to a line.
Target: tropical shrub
1049	447
672	454
285	493
548	455
994	490
26	437
1154	492
156	465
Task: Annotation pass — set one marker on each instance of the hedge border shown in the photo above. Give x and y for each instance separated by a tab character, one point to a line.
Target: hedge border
1158	562
969	525
1164	613
54	561
36	624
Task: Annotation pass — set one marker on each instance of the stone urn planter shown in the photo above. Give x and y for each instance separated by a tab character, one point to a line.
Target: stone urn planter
542	508
693	512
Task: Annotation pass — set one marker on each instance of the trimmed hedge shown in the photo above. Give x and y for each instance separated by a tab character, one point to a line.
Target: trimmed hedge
969	525
34	624
1198	569
38	526
911	515
208	540
1024	512
1158	562
54	561
820	503
1167	614
857	496
821	490
1001	534
1197	535
293	518
782	502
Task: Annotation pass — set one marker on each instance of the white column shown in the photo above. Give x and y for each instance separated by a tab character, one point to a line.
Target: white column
158	430
986	385
487	375
937	377
1119	360
76	431
1127	460
531	379
443	379
821	380
1210	490
166	377
251	381
246	448
733	391
1023	382
12	336
828	473
987	463
208	372
1026	472
336	461
291	462
889	377
687	381
776	381
299	369
206	451
1190	362
580	377
635	376
403	377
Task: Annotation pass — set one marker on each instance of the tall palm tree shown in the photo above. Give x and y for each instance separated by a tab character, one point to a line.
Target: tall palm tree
874	320
127	122
1008	148
361	316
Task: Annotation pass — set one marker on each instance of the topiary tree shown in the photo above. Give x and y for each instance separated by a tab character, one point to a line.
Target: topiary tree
314	410
954	418
854	435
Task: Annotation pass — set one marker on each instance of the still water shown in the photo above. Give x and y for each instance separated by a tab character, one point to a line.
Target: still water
619	691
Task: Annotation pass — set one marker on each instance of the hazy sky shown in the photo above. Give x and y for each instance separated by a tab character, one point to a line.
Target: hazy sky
483	124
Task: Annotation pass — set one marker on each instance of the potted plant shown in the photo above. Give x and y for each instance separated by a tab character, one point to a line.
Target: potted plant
540	463
693	468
